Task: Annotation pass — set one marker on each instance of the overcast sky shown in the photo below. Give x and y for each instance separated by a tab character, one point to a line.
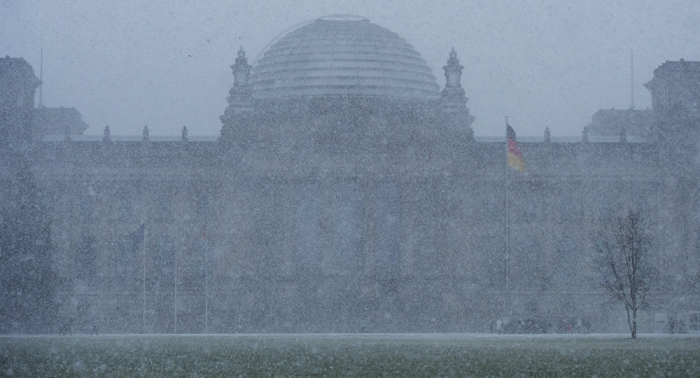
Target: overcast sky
165	64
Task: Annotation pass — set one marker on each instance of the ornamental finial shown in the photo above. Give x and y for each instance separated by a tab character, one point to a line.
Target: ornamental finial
241	70
184	134
453	71
106	137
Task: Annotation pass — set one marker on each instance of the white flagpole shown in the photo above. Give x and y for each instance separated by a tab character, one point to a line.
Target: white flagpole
143	257
175	301
206	286
507	256
41	78
632	79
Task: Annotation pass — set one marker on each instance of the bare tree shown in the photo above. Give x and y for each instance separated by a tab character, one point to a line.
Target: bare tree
624	262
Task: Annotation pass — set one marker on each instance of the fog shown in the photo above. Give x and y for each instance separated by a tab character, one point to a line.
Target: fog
552	64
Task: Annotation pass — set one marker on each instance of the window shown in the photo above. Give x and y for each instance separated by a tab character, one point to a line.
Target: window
267	228
528	255
494	267
570	208
192	274
491	208
427	209
528	209
488	202
47	201
567	265
125	197
694	325
347	225
127	258
642	202
163	206
387	228
203	207
125	207
162	272
604	209
86	259
87	203
307	227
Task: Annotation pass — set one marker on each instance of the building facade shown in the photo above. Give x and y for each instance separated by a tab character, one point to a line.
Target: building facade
347	193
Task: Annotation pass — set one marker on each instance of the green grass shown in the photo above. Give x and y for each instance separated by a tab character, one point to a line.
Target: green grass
348	355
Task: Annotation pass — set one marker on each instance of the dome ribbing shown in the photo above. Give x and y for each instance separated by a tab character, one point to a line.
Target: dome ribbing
341	57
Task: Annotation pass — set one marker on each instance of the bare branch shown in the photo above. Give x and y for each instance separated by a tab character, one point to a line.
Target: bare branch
623	261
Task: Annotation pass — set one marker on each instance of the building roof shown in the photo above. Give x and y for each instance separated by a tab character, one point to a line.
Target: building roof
58	120
611	122
17	81
343	56
214	138
677	72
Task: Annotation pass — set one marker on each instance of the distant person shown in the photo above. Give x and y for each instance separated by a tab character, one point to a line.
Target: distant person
499	326
66	328
94	330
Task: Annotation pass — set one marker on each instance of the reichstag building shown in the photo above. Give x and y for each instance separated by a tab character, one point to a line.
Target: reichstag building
347	192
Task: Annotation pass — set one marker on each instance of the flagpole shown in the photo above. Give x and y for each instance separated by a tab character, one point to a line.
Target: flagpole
175	301
507	256
206	287
143	258
41	79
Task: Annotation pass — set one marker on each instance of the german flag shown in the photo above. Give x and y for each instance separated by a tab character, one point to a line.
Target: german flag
515	156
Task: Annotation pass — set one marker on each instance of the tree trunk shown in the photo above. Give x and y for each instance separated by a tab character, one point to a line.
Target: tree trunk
629	321
634	323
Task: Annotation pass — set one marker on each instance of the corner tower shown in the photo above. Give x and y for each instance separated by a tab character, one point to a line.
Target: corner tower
240	100
454	100
16	100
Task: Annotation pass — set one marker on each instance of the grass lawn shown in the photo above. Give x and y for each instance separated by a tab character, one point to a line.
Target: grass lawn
421	355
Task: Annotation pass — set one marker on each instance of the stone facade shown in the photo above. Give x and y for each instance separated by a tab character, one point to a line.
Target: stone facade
349	213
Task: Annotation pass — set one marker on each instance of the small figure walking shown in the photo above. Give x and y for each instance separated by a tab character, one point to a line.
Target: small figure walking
94	330
66	328
499	326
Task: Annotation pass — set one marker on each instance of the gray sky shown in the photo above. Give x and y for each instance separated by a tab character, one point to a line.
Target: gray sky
165	64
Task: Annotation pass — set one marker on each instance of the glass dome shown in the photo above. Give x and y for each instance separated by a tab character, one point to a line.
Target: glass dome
342	56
